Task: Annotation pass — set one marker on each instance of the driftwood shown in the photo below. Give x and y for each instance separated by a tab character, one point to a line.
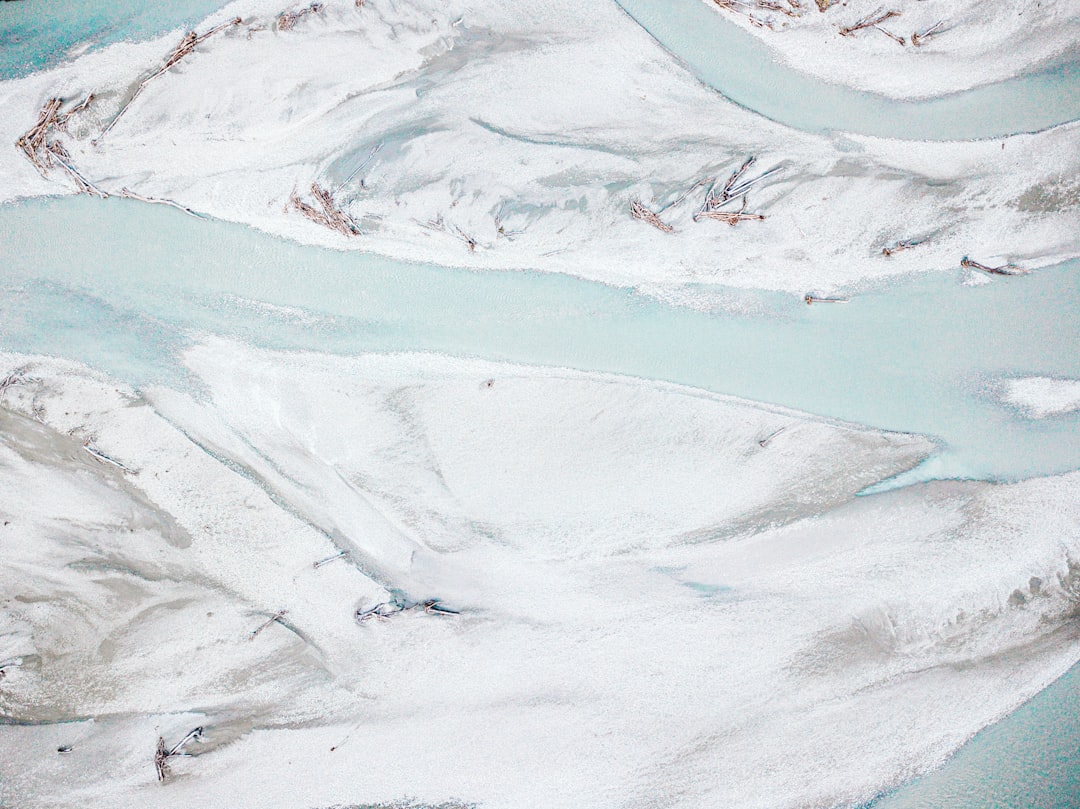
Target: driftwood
44	152
103	458
163	754
730	217
764	442
287	19
127	194
901	246
687	192
385	609
331	216
919	37
1004	269
185	46
639	211
329	559
745	9
813	299
873	21
277	616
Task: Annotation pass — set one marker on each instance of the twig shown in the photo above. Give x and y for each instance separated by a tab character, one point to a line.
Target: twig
639	211
1004	269
183	48
277	616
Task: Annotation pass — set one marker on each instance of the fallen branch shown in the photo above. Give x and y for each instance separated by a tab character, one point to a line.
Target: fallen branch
329	559
103	458
764	442
185	46
287	19
127	194
730	217
383	610
687	193
918	38
1004	269
639	211
162	756
870	21
812	299
277	616
901	246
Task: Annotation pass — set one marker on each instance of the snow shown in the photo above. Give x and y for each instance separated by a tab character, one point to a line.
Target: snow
548	121
1039	396
650	611
977	44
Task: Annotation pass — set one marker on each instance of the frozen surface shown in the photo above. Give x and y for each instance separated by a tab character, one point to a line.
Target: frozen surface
624	638
546	122
1040	396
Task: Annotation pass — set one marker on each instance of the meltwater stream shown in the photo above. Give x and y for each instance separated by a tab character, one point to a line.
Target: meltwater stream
129	284
740	67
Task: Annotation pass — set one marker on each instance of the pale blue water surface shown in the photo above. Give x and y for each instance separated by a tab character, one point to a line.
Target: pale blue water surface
125	287
128	283
736	64
36	34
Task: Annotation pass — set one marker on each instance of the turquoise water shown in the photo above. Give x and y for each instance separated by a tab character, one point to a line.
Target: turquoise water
740	67
36	34
129	283
126	287
1031	760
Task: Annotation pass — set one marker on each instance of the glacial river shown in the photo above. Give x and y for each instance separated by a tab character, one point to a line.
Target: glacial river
130	285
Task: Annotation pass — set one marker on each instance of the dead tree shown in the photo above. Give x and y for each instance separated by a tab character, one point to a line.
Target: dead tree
873	21
331	216
46	153
639	211
287	19
1004	269
814	299
185	46
163	754
919	37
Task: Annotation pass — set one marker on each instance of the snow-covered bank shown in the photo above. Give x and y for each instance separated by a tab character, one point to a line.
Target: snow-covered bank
975	44
1040	396
530	132
626	638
